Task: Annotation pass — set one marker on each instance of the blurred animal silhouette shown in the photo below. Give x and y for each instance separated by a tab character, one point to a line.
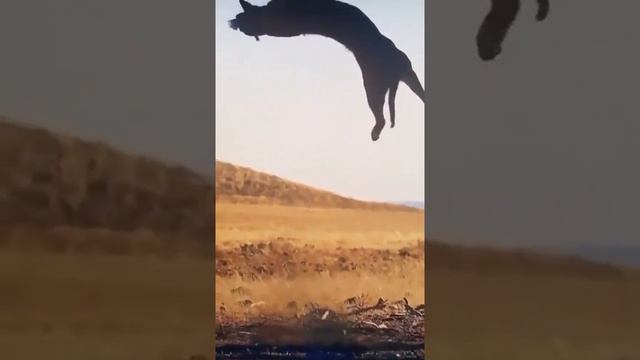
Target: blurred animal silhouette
497	23
382	64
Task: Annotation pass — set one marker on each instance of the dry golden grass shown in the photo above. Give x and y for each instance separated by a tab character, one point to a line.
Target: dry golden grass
322	227
84	306
328	230
329	291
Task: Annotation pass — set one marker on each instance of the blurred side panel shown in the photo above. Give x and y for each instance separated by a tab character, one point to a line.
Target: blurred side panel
106	194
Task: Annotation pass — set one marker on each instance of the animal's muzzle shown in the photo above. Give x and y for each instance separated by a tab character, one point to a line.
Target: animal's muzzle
235	25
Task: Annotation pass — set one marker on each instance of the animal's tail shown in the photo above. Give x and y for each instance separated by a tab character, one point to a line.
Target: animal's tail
543	10
412	81
392	103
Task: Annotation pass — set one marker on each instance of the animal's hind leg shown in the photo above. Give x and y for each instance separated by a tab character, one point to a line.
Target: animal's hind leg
375	98
392	103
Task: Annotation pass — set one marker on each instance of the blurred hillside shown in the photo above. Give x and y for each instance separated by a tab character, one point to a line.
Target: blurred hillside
237	184
48	180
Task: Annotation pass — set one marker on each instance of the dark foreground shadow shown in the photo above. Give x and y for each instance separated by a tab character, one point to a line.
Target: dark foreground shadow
385	330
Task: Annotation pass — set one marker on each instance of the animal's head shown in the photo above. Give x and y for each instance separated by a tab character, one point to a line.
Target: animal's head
250	21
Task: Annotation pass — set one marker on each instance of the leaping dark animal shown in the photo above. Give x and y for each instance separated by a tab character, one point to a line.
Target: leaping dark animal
497	23
382	64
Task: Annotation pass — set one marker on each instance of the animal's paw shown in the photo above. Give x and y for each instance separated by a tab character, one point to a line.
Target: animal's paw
393	125
489	53
375	132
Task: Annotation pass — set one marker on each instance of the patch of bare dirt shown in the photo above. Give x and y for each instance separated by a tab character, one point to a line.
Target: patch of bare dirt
280	258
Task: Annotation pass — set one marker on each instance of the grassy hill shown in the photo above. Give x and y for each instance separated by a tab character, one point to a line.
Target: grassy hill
237	184
50	181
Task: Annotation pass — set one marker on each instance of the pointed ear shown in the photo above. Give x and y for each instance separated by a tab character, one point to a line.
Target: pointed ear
246	6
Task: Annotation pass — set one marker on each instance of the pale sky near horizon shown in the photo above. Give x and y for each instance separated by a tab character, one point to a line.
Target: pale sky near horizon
296	107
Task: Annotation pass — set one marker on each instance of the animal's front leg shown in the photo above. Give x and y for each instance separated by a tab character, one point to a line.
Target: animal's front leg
375	98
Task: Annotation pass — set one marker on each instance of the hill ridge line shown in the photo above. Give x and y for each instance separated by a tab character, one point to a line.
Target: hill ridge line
242	184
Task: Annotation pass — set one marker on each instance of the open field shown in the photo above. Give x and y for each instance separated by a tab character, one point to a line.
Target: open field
92	306
515	310
322	227
277	265
343	248
105	254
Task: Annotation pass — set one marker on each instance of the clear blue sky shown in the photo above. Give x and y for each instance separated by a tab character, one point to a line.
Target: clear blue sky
296	107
